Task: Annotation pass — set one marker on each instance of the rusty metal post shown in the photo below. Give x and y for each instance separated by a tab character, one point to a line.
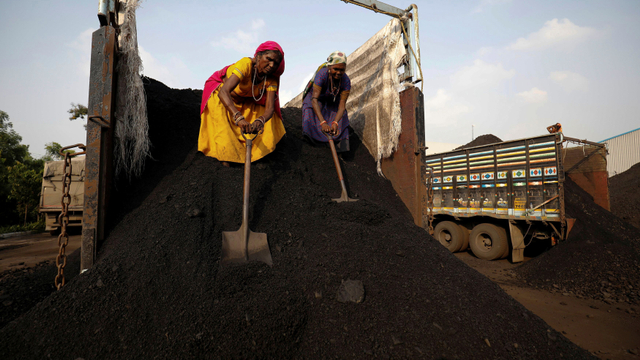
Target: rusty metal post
98	162
405	168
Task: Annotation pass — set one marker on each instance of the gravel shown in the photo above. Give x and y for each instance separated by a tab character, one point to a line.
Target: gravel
599	260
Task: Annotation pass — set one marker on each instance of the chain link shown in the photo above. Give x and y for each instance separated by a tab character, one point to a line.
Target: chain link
430	197
63	218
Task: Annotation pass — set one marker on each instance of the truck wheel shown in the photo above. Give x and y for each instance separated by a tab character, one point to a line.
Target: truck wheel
465	237
449	235
488	242
505	254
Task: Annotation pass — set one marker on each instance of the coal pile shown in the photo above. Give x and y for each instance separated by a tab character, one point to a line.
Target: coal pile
624	195
21	289
599	260
157	290
481	140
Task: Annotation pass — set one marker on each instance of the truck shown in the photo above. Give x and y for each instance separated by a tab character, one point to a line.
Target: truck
497	198
51	194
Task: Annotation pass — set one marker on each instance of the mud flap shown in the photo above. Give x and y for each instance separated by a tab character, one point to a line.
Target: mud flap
517	243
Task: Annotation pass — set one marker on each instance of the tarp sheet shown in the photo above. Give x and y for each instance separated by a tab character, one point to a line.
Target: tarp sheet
56	168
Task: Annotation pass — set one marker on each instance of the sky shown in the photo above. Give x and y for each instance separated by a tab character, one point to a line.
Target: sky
504	67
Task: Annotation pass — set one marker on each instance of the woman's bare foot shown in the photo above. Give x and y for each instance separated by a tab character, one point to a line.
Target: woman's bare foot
225	164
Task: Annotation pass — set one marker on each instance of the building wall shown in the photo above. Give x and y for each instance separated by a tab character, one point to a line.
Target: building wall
624	152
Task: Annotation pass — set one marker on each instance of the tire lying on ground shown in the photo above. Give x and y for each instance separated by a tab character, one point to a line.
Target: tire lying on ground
450	235
488	242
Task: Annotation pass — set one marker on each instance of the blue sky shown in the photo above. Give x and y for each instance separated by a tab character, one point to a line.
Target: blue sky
507	67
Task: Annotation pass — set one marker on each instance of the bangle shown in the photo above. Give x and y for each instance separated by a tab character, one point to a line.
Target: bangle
336	122
324	122
261	119
237	120
235	116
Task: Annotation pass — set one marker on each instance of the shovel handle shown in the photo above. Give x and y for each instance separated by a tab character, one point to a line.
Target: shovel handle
244	137
336	162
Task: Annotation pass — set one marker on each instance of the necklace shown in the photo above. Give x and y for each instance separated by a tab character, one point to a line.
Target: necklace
264	85
333	91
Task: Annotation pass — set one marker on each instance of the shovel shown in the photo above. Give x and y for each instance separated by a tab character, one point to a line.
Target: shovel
344	196
244	245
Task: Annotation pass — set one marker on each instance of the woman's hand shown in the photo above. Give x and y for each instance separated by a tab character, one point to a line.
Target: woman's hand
325	127
244	125
332	129
335	128
257	127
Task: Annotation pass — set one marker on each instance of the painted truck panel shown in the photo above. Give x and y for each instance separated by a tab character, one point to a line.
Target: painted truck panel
508	180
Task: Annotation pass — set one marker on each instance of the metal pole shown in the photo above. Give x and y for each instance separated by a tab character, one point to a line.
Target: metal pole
99	142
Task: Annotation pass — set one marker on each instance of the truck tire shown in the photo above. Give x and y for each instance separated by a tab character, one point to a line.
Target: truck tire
465	237
488	242
506	252
449	235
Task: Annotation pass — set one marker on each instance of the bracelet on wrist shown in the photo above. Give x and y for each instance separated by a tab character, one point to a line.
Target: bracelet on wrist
324	122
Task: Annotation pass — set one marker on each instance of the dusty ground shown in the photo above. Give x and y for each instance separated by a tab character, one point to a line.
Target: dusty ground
608	331
22	252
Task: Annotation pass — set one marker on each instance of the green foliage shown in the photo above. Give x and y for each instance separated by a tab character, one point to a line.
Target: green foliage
20	176
10	148
38	226
25	182
53	152
77	111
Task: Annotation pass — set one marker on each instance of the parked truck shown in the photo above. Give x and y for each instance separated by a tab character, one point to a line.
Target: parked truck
497	198
51	195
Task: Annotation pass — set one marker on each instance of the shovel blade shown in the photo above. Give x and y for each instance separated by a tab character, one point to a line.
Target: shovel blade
344	198
236	249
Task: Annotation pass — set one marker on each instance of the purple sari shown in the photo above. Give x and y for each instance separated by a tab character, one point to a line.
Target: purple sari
328	107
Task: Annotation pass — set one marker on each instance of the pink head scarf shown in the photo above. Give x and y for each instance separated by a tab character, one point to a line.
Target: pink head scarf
216	79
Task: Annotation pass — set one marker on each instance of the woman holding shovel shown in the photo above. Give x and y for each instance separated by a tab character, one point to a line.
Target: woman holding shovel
325	99
243	98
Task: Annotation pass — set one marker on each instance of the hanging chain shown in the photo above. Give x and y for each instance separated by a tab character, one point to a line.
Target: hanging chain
63	218
430	197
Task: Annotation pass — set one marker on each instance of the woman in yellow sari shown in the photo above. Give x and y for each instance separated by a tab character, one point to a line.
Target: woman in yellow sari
243	97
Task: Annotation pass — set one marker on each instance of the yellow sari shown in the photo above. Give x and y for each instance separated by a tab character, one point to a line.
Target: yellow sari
220	137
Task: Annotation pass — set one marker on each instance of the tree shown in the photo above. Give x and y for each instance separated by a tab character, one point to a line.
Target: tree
53	152
78	111
10	148
25	189
20	176
11	152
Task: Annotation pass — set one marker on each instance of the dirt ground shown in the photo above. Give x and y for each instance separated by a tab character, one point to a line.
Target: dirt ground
608	331
26	251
